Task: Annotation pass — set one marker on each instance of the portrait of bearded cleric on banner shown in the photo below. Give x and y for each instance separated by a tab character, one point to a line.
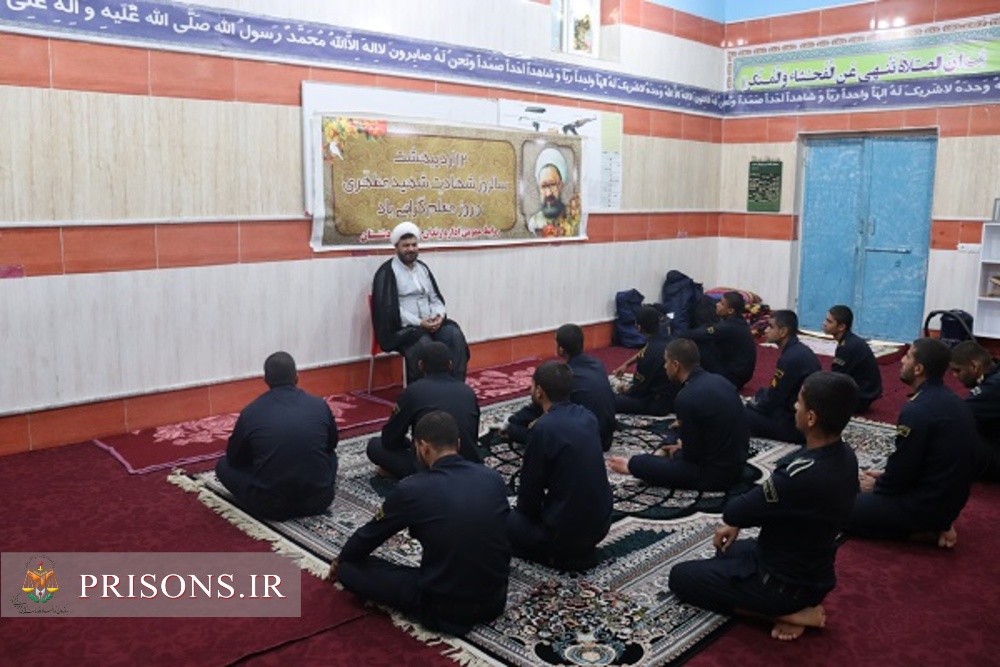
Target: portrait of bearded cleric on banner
556	210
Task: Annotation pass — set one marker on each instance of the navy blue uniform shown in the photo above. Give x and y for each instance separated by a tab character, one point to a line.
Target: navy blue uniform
984	401
280	461
800	509
727	348
438	391
457	510
854	357
926	480
564	501
772	412
715	435
591	389
652	392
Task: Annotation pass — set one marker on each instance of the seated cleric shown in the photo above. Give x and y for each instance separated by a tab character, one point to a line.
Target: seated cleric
280	462
407	307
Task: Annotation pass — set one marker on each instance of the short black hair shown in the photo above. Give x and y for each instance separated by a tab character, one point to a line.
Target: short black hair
841	314
735	301
279	369
570	338
933	355
438	429
648	319
785	319
556	380
833	397
435	357
968	351
685	352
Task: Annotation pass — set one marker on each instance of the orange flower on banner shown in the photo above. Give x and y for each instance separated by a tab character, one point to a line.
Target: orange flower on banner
336	130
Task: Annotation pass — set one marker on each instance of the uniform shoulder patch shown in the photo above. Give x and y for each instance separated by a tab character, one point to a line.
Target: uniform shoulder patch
837	361
395	408
902	430
710	330
976	391
770	491
379	513
798	465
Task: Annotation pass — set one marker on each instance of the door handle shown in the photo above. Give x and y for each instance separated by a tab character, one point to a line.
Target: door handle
894	251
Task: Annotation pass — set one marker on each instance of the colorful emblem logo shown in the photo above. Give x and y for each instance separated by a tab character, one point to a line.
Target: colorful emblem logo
40	582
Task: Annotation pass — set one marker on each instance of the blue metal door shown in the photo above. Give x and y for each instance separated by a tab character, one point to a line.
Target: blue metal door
831	214
866	232
896	238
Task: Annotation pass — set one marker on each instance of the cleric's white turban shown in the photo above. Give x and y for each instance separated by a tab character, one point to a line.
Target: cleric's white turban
403	229
551	157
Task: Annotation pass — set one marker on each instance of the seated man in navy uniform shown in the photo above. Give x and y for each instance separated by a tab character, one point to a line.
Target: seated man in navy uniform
727	347
564	500
281	461
976	370
438	389
408	310
772	410
651	392
457	510
927	478
591	389
853	356
785	573
714	437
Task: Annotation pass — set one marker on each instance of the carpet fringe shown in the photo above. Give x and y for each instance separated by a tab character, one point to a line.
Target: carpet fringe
456	650
251	526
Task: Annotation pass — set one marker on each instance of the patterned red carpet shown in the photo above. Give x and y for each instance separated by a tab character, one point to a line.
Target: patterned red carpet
895	604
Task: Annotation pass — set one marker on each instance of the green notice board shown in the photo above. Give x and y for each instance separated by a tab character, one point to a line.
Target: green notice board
764	191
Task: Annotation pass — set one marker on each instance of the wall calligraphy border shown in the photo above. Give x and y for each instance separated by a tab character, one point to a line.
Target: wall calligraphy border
204	29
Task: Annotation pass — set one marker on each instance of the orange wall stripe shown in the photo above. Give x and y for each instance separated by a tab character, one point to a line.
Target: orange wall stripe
79	423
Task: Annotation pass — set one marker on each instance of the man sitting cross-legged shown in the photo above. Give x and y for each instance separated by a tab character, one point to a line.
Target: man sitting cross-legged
727	347
651	392
853	356
438	389
927	478
564	501
714	436
772	410
281	460
786	572
975	369
457	510
591	389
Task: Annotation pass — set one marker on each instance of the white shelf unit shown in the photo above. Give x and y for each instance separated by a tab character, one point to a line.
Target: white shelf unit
987	315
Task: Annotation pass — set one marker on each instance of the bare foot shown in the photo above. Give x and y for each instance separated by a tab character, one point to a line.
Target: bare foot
618	464
809	617
383	473
787	632
948	539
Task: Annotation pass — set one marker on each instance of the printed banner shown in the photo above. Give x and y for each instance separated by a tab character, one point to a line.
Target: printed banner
952	59
458	184
763	83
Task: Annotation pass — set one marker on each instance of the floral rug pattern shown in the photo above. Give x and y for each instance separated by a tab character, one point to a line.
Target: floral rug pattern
618	613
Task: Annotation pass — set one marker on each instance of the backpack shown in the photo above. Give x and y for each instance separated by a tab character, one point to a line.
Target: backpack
680	295
625	332
956	326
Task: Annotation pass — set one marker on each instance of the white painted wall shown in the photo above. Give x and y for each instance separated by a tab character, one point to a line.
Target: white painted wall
83	337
